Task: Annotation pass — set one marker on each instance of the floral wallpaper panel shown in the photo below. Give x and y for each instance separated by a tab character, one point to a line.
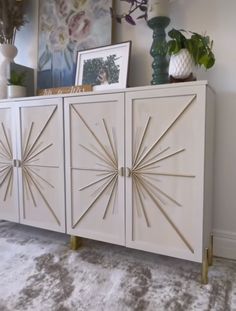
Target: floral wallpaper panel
66	27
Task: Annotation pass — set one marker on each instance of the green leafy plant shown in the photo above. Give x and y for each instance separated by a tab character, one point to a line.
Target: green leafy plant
17	78
199	46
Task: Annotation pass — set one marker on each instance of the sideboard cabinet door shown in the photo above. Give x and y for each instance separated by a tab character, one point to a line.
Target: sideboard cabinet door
8	172
165	135
94	129
41	172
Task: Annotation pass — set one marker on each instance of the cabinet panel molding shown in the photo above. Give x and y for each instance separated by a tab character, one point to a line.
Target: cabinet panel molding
95	193
8	172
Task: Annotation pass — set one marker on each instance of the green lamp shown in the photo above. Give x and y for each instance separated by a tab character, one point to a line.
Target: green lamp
158	19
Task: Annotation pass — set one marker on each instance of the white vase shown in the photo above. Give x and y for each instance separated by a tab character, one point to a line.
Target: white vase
181	65
14	91
8	53
157	8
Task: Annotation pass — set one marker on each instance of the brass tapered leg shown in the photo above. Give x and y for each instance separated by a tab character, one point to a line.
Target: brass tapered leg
210	251
75	242
205	267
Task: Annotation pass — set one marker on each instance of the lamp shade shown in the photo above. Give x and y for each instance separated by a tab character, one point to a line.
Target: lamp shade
157	8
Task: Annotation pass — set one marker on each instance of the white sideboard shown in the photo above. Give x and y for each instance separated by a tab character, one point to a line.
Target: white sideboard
138	167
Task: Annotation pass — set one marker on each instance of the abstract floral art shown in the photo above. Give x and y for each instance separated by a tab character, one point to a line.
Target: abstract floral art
66	27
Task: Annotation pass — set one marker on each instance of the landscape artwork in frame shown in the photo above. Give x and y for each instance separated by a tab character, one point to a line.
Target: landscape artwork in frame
66	27
105	67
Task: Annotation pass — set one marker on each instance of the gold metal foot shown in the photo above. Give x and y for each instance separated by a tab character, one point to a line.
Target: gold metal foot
205	267
75	242
210	251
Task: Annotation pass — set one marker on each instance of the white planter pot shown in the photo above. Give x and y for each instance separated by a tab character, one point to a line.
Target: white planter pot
181	65
16	91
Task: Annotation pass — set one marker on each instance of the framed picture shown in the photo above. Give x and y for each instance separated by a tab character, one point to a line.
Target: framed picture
66	27
105	67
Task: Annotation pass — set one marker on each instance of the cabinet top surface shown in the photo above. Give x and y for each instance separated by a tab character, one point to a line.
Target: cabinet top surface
110	91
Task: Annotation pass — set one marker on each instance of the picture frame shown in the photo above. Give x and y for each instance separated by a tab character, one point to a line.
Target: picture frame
104	67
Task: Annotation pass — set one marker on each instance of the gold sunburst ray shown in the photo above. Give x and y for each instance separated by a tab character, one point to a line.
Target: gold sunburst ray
98	156
25	189
11	185
38	153
106	185
152	178
102	155
31	162
3	169
99	188
139	193
95	182
135	140
160	159
136	157
142	152
41	178
28	153
115	197
155	144
161	191
156	155
34	150
110	142
112	192
4	156
5	176
9	163
104	174
25	149
90	169
8	155
8	184
152	188
7	140
4	151
42	196
28	186
135	198
166	174
93	134
37	165
103	165
167	217
115	142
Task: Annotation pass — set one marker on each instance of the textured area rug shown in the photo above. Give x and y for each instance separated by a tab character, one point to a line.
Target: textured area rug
38	272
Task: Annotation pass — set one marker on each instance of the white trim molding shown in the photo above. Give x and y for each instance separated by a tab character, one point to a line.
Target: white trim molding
224	244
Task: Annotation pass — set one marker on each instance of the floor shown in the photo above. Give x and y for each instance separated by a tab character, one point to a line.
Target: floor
38	272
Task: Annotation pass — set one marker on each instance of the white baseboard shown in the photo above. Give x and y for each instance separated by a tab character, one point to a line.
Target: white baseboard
224	244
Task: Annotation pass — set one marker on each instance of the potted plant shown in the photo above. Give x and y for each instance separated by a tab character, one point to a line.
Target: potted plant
16	84
188	52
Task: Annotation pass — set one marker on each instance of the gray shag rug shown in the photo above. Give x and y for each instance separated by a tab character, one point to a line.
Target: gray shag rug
38	272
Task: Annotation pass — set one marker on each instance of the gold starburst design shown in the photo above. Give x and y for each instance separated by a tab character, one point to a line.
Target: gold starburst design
108	156
143	171
32	180
6	163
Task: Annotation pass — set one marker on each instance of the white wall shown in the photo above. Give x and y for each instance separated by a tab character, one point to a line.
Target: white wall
217	18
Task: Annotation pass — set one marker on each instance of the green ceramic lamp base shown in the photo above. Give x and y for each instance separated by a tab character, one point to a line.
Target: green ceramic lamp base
158	49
